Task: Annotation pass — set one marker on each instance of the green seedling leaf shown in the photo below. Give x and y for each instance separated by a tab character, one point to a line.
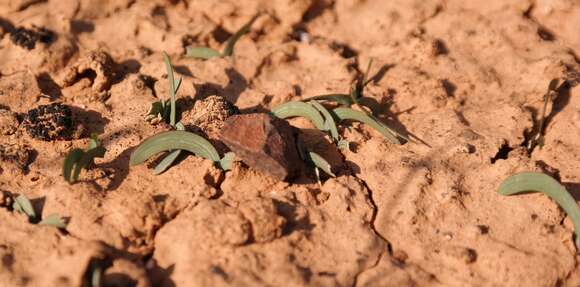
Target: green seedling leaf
299	109
173	86
227	160
96	277
329	123
53	220
202	53
208	53
350	114
174	140
22	205
229	49
166	162
347	100
78	159
171	157
319	162
533	181
70	161
538	138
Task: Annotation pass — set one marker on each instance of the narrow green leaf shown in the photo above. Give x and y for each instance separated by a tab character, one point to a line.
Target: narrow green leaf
96	277
70	163
533	181
53	220
227	160
329	123
86	160
229	49
346	100
172	85
299	109
320	163
350	114
202	53
166	162
173	140
22	204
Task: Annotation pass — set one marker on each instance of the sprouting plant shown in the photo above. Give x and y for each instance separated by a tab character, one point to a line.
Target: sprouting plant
175	141
166	111
208	53
78	159
179	140
356	97
23	205
537	137
533	181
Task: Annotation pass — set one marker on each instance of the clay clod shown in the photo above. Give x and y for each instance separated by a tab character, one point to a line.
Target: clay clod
263	142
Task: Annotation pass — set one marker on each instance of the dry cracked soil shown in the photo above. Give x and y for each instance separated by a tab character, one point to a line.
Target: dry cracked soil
465	79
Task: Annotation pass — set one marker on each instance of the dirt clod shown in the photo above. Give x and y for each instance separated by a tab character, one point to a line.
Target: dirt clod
263	142
27	38
210	114
14	159
50	122
97	65
8	122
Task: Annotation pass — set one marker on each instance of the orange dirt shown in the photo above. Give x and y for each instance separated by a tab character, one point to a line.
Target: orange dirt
467	78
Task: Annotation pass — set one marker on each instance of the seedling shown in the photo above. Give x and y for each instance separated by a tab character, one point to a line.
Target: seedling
166	111
179	140
537	138
208	53
533	181
357	98
23	205
78	159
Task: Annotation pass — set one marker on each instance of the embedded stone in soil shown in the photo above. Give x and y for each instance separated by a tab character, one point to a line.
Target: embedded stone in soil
49	122
265	143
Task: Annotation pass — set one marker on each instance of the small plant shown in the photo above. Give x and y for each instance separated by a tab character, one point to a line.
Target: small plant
78	159
357	98
174	141
22	205
533	181
537	136
208	53
166	111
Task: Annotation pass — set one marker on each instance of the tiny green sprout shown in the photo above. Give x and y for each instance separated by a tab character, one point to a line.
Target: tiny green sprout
537	139
53	220
533	181
178	140
208	53
78	159
22	205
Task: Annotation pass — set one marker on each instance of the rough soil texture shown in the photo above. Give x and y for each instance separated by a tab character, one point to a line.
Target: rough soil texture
467	78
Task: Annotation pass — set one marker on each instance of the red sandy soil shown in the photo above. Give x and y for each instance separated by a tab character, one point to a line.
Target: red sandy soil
467	78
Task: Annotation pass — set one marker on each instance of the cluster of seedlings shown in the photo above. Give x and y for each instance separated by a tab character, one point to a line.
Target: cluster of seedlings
22	205
52	122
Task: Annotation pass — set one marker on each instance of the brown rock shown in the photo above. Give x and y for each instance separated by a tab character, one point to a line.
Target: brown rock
263	142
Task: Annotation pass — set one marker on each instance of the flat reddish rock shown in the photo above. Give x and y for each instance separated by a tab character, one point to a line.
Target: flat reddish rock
263	142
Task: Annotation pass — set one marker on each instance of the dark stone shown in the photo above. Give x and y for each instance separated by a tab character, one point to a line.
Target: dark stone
265	143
